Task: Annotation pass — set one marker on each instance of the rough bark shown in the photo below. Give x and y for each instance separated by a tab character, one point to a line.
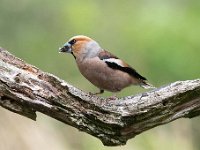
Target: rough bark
24	89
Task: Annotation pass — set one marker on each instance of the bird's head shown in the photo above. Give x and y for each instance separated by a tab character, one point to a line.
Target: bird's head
81	47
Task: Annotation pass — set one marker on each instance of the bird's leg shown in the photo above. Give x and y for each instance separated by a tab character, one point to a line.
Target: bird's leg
100	92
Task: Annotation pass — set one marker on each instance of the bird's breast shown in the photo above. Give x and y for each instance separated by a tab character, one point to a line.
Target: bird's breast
99	74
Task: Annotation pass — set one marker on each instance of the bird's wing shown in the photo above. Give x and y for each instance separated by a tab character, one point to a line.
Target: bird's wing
116	63
106	55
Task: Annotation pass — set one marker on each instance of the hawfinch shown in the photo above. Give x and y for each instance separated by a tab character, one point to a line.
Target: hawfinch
100	67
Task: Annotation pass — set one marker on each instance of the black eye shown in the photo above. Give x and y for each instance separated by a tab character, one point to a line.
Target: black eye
72	42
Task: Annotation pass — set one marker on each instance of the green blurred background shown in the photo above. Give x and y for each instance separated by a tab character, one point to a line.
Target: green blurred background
161	39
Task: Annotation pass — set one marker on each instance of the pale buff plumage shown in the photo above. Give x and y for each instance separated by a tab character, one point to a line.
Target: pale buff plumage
101	68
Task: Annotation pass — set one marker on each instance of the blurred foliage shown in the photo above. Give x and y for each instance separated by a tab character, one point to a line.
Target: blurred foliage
158	38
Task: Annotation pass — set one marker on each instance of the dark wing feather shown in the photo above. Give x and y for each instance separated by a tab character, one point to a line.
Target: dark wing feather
128	70
132	72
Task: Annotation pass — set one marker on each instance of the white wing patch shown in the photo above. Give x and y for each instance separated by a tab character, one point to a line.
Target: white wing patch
114	60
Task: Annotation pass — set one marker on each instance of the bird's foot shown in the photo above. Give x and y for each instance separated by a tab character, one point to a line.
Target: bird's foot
113	97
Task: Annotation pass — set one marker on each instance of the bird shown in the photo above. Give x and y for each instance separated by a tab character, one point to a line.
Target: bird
103	69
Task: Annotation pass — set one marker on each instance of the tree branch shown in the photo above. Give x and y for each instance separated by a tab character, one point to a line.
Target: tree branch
24	89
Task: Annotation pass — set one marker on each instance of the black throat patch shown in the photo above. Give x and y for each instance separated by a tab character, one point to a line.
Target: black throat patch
73	55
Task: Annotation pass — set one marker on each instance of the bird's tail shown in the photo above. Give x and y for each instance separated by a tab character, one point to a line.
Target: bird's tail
147	85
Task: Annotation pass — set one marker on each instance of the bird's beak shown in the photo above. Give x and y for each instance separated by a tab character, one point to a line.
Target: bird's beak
66	48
